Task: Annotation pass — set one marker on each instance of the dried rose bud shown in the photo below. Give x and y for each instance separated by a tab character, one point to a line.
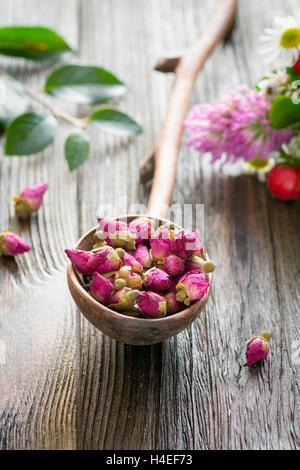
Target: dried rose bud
116	234
108	226
258	348
127	278
142	255
174	265
103	261
29	200
157	280
185	243
130	260
123	299
160	244
191	286
142	228
198	263
173	305
151	305
12	244
101	288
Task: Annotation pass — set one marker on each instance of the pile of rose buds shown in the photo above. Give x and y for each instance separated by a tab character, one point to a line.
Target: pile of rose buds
26	203
141	272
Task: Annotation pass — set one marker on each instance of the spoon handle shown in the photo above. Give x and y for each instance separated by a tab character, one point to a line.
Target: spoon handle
185	75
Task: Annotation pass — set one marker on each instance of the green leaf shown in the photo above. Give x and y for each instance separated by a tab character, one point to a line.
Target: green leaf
284	112
29	133
113	121
13	100
84	84
32	42
291	72
77	147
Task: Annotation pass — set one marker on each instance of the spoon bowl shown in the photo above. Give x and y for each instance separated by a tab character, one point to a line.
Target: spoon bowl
129	330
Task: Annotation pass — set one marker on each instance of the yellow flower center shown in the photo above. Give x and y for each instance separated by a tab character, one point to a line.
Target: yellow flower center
258	164
290	38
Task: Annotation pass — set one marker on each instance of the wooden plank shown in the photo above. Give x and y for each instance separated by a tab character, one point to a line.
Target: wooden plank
37	373
192	391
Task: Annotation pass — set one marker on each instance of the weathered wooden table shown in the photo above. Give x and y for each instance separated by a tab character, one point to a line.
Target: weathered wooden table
63	385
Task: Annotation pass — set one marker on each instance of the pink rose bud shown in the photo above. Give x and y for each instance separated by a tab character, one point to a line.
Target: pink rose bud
127	278
101	288
157	280
12	244
123	299
142	228
191	286
174	265
173	305
160	244
130	260
185	243
116	234
198	263
104	260
151	305
142	255
29	200
258	348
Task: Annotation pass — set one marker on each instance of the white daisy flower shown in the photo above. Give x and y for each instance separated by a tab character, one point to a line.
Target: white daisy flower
281	43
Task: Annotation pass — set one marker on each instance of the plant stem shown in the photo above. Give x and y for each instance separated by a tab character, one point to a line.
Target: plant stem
57	112
43	99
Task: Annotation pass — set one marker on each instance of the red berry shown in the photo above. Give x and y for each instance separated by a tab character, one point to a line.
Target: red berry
296	66
284	182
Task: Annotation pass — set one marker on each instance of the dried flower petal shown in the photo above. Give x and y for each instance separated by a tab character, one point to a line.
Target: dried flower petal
142	255
198	263
258	348
191	286
160	244
156	280
174	265
103	261
29	200
130	260
116	233
185	243
142	228
152	305
12	244
127	278
123	299
101	288
173	305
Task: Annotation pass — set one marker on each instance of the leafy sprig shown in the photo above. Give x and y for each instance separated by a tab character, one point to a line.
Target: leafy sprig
27	132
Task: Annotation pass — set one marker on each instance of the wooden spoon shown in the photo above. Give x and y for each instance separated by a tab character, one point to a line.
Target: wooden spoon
140	331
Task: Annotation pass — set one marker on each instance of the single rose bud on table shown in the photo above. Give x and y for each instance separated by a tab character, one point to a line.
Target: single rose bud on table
12	244
258	348
30	200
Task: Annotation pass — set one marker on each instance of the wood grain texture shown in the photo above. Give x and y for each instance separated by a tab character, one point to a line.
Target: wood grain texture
65	385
